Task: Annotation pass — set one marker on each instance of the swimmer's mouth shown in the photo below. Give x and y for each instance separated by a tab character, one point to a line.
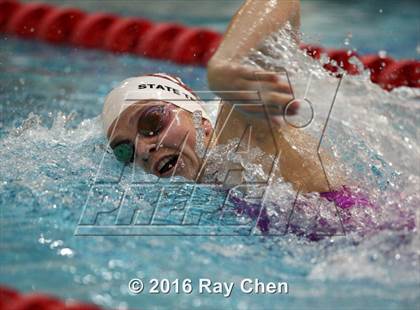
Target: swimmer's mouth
166	164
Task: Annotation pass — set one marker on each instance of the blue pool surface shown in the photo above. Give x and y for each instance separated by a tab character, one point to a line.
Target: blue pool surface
51	149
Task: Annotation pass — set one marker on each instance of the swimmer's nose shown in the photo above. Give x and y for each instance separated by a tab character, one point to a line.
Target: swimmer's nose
144	149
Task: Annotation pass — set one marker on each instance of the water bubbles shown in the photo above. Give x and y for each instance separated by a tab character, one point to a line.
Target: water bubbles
107	275
324	59
379	162
348	38
88	279
56	244
200	147
32	121
66	252
357	62
44	240
382	53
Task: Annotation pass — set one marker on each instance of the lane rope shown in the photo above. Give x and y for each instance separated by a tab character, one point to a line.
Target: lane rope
170	41
11	299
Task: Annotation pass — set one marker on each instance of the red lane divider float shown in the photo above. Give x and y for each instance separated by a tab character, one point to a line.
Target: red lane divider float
158	41
170	41
59	25
376	65
13	300
26	19
401	73
92	30
7	9
123	35
193	46
341	58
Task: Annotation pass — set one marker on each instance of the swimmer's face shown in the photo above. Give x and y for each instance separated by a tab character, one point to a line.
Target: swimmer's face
164	138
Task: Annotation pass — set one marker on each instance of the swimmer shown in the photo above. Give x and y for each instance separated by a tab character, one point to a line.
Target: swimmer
149	119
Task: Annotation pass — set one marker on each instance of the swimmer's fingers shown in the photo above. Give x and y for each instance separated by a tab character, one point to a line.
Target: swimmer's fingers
260	110
267	81
253	74
280	101
263	86
256	103
277	120
275	94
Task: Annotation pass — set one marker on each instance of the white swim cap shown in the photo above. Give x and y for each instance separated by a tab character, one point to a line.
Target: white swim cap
157	86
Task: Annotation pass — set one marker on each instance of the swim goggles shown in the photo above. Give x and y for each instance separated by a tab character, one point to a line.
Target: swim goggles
151	122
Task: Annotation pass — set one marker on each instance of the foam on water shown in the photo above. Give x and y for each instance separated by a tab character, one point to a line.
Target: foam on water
47	172
372	133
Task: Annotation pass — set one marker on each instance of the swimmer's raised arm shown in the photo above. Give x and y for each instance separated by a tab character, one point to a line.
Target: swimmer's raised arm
251	25
254	21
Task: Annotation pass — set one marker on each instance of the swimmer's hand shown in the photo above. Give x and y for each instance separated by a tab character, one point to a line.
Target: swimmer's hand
251	88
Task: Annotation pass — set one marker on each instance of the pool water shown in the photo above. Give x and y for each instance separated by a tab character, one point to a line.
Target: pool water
52	152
